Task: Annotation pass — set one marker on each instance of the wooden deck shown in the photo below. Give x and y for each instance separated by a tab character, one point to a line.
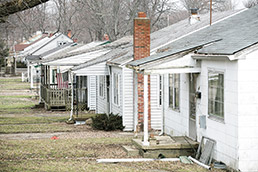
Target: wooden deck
169	147
55	98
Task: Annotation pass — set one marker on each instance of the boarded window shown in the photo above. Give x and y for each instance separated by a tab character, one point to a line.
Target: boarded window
174	91
216	94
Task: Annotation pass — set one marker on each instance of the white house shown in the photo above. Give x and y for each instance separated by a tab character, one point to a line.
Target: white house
210	87
112	65
34	52
97	73
61	64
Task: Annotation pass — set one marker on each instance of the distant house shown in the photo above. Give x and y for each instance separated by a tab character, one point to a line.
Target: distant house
19	48
108	93
56	70
209	87
34	53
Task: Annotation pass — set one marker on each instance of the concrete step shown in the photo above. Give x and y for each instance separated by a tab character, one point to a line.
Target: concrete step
131	150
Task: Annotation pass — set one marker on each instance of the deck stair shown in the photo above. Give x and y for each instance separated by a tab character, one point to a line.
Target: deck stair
166	146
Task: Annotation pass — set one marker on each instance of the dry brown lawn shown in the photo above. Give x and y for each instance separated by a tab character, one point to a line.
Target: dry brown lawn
26	144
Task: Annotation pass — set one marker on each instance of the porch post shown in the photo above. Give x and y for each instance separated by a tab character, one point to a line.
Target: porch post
31	77
71	113
40	100
28	71
145	137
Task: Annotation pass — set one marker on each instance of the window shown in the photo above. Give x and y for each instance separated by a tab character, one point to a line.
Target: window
65	77
216	94
160	90
54	72
101	86
174	86
84	84
116	88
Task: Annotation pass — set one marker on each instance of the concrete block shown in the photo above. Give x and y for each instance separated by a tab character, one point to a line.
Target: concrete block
131	150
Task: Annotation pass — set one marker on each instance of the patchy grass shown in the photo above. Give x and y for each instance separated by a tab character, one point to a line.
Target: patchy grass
62	148
13	104
77	155
64	165
16	97
13	84
11	79
82	117
36	128
31	120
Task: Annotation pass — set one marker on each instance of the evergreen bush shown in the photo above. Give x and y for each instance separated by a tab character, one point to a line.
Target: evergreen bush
107	122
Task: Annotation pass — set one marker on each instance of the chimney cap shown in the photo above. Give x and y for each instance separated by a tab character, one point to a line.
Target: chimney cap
194	10
142	14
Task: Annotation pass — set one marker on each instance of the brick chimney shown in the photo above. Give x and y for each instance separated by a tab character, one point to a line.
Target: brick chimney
69	33
194	18
141	41
106	37
75	40
50	35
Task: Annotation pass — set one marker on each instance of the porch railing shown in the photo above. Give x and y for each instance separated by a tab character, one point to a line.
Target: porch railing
53	96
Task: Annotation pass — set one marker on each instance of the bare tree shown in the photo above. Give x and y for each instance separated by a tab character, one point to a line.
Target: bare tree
89	19
250	3
204	5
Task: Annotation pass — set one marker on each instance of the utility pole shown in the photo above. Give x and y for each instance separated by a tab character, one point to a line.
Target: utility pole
210	12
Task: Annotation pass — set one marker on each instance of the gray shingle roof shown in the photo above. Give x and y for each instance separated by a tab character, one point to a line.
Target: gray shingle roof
119	48
229	36
175	31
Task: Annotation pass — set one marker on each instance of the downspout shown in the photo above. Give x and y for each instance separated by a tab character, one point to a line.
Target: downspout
71	113
28	71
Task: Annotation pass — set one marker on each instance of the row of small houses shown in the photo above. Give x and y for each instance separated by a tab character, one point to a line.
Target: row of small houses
185	80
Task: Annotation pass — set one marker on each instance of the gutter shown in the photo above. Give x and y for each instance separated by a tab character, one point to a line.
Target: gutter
211	57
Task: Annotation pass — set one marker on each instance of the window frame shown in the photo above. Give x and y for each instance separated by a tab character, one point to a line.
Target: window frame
116	94
212	115
173	103
101	86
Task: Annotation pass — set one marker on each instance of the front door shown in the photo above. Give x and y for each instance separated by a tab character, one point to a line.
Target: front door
192	106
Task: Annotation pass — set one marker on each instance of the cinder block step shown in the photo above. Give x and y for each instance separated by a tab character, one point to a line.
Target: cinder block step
131	150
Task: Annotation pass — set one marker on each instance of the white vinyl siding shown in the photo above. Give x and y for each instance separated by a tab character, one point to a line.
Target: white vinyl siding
156	109
115	108
128	99
102	102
